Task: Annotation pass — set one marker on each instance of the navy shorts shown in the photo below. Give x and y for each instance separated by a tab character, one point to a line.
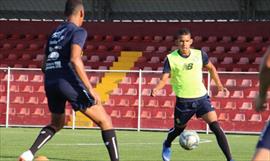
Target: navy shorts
186	108
60	91
264	141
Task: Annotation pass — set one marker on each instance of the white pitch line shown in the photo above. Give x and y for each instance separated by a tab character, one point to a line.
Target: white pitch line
101	144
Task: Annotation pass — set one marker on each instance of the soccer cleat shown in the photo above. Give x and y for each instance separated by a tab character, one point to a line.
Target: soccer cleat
231	160
166	153
26	156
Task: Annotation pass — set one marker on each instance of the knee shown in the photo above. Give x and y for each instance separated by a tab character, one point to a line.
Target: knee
180	126
57	126
105	123
214	126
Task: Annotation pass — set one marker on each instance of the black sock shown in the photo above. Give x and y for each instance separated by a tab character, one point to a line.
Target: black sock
221	139
172	134
110	141
44	136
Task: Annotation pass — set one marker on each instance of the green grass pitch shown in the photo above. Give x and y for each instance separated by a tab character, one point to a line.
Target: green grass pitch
87	145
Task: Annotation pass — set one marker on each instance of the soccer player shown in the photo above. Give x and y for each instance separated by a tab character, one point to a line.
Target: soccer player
184	67
66	80
263	147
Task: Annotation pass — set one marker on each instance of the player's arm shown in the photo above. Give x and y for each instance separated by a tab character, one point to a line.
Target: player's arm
78	65
264	79
43	65
214	75
161	84
164	78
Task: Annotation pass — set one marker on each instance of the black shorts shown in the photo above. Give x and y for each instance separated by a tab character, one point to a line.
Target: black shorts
185	109
59	91
264	141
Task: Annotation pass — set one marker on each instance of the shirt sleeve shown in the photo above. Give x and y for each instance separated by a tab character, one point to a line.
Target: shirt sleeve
79	37
167	67
205	58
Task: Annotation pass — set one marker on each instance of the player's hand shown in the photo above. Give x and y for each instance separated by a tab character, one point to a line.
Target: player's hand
260	103
224	90
154	92
96	97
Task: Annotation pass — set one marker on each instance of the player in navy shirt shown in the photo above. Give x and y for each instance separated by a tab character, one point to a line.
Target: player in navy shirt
263	147
66	80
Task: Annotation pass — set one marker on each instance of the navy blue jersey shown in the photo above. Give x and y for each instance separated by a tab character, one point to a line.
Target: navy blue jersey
58	50
167	68
61	81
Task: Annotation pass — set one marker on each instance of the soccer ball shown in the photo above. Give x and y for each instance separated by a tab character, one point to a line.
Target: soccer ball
189	140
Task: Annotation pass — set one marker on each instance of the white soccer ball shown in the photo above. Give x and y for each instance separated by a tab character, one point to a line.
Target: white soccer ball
189	140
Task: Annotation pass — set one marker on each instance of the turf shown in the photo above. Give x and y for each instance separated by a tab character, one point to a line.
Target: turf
87	145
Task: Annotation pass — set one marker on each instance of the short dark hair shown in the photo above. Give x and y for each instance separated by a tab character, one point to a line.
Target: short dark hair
183	31
71	6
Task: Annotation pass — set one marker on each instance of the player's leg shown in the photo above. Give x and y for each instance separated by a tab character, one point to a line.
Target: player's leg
81	100
98	114
181	116
56	105
261	154
210	117
263	147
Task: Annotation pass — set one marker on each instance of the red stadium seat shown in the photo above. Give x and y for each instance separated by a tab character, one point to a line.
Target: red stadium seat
130	114
158	38
241	39
239	117
227	60
146	115
117	48
230	105
226	39
117	91
147	38
168	104
18	99
94	58
246	106
131	92
136	38
28	88
243	60
152	103
169	38
230	82
22	78
257	39
123	102
110	102
161	115
33	100
98	38
252	94
234	50
39	112
238	94
125	38
37	78
212	39
256	118
115	114
219	50
246	83
109	38
223	117
198	39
